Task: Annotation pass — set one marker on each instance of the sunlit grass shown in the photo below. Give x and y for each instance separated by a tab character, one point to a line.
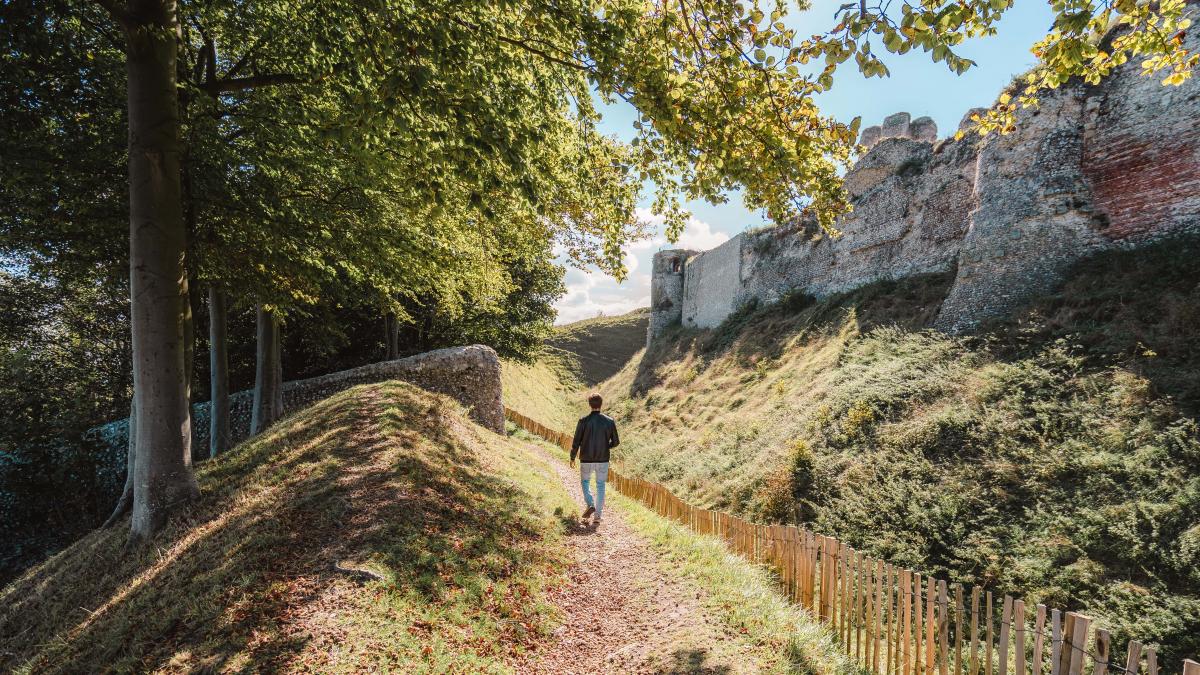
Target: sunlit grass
1053	455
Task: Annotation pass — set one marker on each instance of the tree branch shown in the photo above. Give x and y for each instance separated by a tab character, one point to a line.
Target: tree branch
252	82
230	84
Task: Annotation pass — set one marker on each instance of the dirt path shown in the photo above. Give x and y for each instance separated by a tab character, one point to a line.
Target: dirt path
623	613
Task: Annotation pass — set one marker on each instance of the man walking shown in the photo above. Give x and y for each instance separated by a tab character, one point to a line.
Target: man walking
595	435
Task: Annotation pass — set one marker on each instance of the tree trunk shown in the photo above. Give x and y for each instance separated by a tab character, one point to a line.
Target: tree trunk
126	500
268	374
218	368
392	326
162	468
189	355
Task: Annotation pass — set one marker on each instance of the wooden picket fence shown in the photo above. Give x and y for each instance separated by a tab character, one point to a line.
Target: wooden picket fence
895	621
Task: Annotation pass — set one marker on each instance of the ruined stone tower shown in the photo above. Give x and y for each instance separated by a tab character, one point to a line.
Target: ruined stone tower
666	290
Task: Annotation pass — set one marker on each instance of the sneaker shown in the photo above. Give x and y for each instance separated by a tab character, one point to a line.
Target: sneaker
589	511
596	521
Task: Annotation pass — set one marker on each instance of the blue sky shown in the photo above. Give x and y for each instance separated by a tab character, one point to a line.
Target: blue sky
917	85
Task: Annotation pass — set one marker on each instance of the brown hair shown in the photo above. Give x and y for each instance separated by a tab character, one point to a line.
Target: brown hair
595	401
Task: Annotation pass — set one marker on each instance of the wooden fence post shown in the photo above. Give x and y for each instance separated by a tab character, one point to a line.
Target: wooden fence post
906	591
943	629
1019	636
959	616
1039	628
930	625
890	605
990	637
881	593
1005	629
974	630
1103	652
1055	641
1133	658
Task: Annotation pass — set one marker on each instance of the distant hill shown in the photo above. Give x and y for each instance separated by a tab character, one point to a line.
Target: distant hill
578	356
459	523
603	345
1055	455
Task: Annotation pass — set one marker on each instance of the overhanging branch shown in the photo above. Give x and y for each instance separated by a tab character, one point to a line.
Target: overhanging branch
253	82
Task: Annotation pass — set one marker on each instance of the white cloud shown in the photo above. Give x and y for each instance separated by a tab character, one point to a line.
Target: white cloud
590	292
697	234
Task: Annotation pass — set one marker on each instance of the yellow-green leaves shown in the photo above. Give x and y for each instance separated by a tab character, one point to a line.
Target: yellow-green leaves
1088	39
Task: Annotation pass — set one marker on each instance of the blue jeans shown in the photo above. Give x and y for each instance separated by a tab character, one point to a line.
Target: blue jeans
600	472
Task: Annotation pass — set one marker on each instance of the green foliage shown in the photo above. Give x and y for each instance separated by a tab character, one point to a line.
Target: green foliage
787	493
64	365
1087	40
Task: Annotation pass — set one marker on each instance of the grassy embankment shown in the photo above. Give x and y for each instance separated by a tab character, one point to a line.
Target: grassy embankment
459	525
1055	455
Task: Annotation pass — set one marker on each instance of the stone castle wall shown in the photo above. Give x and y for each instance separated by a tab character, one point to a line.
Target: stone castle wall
470	375
1093	168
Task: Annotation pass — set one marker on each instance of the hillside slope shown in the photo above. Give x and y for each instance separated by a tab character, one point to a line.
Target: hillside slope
382	531
458	522
604	344
579	355
1056	455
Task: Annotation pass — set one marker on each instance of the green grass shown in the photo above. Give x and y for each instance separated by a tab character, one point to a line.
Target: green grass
460	524
743	595
1055	455
602	345
546	389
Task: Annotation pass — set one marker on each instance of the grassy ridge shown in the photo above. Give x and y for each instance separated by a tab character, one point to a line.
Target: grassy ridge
459	525
1055	455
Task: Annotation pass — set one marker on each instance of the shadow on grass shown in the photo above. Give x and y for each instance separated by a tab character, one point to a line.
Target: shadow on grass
374	475
691	661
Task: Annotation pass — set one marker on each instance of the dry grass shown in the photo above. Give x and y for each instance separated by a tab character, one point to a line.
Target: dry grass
458	522
578	356
546	390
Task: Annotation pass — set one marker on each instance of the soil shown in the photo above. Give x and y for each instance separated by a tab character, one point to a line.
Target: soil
623	611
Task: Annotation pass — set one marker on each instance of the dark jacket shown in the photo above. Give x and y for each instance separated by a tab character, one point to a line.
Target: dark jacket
595	435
